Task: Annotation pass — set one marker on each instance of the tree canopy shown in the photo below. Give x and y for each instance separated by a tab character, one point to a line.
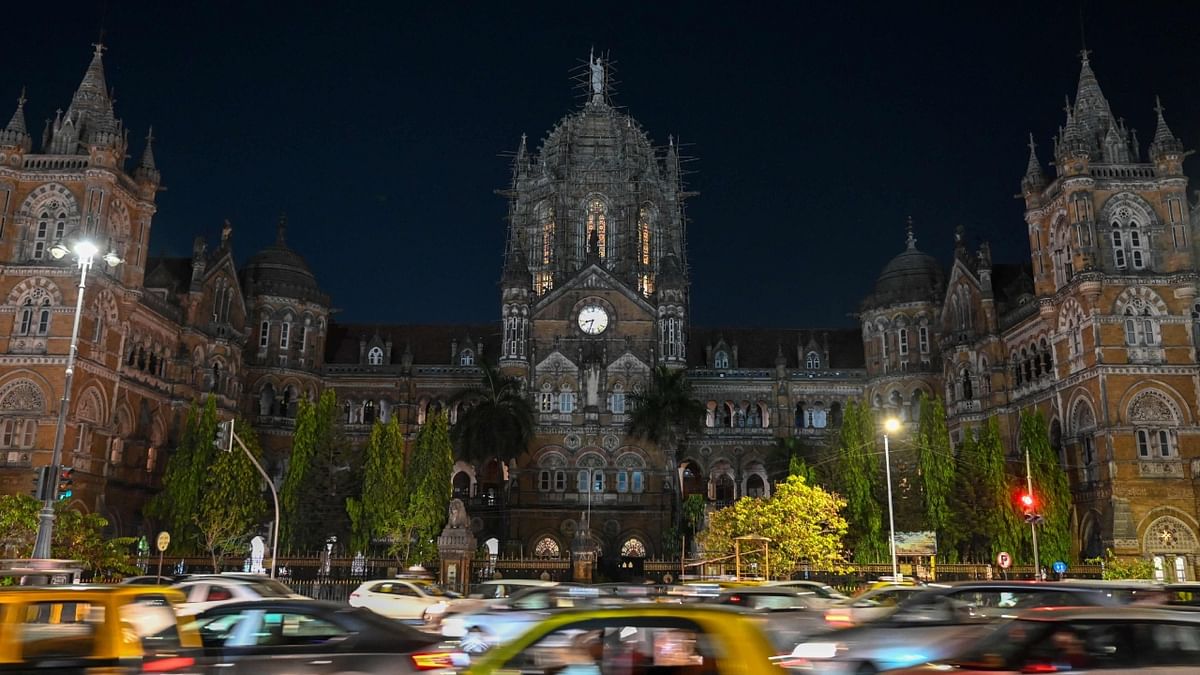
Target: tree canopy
803	522
414	525
232	501
1050	488
936	463
384	485
76	536
985	520
496	419
318	479
187	475
859	478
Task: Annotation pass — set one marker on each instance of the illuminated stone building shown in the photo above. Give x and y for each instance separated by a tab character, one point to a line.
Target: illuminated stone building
1098	330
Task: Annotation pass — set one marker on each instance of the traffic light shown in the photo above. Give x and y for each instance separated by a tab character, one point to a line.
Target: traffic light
1029	508
43	483
65	481
223	440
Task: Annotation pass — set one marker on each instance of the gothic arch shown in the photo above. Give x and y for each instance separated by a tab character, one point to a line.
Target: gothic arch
1126	205
118	222
1153	403
552	458
22	395
1167	533
591	459
1070	310
1139	299
630	459
1083	415
634	544
546	545
46	193
91	406
37	287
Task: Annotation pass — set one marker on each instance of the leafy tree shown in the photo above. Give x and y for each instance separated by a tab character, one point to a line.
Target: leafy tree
186	475
497	419
799	467
318	479
789	455
1123	568
936	462
666	412
77	536
413	528
1050	486
803	522
383	484
232	503
858	479
985	521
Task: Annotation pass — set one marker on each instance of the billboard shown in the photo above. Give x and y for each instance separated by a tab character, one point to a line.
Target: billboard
916	543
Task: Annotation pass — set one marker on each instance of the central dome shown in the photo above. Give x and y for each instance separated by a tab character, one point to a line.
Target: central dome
279	270
599	137
912	276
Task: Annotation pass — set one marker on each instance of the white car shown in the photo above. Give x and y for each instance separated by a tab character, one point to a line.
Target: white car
405	600
210	590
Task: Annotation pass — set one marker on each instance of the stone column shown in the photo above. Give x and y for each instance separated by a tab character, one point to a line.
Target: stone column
456	550
583	556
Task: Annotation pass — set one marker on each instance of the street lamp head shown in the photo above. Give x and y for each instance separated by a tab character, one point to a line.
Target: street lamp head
112	259
85	249
59	250
891	425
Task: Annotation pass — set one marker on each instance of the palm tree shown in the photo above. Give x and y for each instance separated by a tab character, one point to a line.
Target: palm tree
496	418
666	412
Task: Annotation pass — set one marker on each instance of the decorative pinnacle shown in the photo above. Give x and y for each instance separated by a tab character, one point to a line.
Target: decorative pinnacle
1083	55
281	229
1158	106
909	239
21	99
99	47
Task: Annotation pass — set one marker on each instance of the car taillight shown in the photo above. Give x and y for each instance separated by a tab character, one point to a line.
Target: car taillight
836	617
438	660
354	595
735	599
166	665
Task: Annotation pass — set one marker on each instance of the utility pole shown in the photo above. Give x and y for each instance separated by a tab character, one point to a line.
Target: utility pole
228	447
1037	565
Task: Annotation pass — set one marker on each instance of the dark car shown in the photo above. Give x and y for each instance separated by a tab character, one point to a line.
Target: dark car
269	637
787	614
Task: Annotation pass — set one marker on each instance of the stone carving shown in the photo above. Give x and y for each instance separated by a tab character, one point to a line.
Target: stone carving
597	75
1168	533
22	395
1151	406
458	515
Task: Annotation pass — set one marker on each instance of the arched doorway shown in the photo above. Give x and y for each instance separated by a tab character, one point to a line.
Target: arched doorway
724	491
755	487
693	480
490	484
461	485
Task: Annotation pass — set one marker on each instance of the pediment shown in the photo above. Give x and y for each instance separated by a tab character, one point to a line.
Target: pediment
628	363
556	361
593	278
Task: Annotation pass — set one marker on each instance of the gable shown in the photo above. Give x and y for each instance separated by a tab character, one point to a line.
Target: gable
591	279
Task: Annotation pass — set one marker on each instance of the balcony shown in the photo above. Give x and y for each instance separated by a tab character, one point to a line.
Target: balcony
16	459
738	431
1121	171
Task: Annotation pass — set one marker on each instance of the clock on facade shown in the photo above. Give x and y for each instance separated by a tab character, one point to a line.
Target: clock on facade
593	320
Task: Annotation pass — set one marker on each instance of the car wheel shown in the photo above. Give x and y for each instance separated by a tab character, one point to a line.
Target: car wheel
866	669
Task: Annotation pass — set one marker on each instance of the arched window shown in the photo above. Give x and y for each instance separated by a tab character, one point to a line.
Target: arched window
50	227
923	338
285	329
43	326
26	317
1128	237
967	388
375	356
546	548
543	279
1154	421
633	548
721	359
646	243
596	227
1141	329
566	399
616	400
812	361
466	358
264	332
755	486
902	341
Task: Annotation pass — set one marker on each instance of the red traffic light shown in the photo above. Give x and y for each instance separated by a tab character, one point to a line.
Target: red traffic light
1027	500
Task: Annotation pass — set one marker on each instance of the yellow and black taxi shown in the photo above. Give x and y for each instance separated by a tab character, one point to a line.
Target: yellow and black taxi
663	639
97	630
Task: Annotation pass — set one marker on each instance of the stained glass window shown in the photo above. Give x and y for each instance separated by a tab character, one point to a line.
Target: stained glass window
633	548
546	548
597	222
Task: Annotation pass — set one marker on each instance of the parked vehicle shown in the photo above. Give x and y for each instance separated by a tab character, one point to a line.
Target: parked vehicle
285	636
942	620
118	629
404	599
205	591
651	638
1090	640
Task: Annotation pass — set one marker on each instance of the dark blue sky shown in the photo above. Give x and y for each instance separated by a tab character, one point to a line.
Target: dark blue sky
817	128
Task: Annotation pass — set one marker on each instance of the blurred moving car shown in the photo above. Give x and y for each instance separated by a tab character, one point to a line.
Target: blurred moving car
941	620
650	638
787	615
498	589
286	636
480	631
1088	640
769	598
409	600
113	629
824	591
205	591
1183	594
151	580
869	606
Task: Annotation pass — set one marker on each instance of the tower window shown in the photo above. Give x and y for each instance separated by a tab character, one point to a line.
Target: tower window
902	336
596	227
923	337
264	332
466	358
284	330
812	361
721	360
375	356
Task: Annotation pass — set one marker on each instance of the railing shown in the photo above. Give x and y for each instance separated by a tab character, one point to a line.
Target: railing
738	431
55	162
1118	171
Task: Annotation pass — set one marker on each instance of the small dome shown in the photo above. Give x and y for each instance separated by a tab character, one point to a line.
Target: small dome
278	270
912	276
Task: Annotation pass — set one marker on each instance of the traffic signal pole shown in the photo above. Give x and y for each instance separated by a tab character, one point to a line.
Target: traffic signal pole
274	495
1037	566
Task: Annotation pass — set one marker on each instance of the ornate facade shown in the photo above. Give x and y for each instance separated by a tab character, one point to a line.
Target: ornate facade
1099	330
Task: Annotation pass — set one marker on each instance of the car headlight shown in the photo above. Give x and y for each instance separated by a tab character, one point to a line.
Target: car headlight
454	626
816	650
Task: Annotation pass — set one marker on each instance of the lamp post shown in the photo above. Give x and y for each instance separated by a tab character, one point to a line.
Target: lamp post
85	253
890	426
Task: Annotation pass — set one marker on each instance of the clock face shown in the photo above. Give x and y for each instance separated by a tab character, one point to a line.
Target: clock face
593	320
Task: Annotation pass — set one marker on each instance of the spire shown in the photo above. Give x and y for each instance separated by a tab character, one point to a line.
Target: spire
92	94
146	169
281	230
1092	113
1033	170
910	239
1164	141
16	134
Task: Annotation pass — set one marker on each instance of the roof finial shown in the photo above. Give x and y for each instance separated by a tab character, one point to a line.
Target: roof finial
281	229
1083	55
99	45
910	239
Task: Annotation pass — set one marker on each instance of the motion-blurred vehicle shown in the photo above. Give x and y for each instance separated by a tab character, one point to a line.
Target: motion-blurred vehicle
826	592
288	636
769	598
787	615
493	592
151	580
480	631
205	591
1183	594
409	600
650	638
872	605
115	629
1154	640
943	619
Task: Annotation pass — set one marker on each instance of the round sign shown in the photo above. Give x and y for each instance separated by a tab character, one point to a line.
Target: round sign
1060	567
1004	560
164	540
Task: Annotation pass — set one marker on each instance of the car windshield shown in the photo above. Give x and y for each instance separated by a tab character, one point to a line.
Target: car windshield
436	591
269	588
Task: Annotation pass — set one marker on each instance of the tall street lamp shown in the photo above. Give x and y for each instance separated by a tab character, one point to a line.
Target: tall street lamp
85	252
890	426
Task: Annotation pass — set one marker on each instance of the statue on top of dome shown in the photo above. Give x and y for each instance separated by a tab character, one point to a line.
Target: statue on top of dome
597	75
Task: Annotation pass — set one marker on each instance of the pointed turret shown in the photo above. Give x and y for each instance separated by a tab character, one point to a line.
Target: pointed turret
672	163
146	171
1071	143
1165	143
1034	180
89	119
281	231
16	134
1092	113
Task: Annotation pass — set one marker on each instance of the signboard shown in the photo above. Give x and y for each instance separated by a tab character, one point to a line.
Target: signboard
1004	560
164	540
1060	567
916	543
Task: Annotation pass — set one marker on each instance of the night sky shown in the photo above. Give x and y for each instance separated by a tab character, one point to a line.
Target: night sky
816	128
